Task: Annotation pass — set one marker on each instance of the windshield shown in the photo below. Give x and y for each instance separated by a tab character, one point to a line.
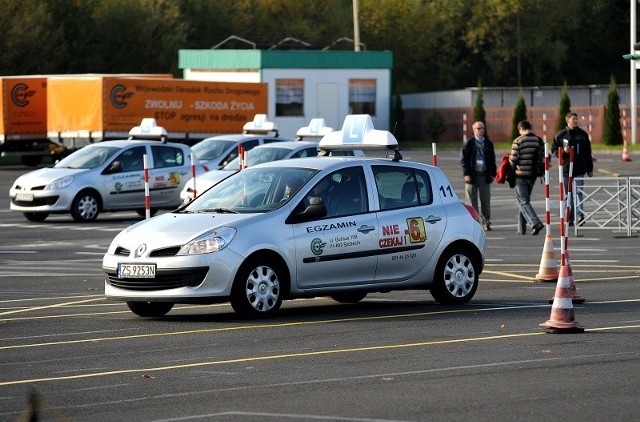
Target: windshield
258	156
211	149
88	157
252	190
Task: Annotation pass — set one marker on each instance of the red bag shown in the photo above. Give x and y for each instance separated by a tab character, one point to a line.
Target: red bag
503	169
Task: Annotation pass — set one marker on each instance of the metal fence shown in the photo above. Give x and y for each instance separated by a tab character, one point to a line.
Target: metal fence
608	203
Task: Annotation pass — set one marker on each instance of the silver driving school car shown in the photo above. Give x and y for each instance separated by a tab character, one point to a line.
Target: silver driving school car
107	176
324	226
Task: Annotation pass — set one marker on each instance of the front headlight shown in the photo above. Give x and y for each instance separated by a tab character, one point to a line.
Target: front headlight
211	241
59	183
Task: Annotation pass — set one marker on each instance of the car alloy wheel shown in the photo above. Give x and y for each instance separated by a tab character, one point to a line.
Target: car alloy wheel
456	278
85	207
256	291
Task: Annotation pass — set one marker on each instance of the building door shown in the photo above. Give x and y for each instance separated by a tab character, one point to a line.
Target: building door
327	104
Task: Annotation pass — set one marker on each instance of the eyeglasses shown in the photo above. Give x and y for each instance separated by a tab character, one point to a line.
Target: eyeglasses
479	128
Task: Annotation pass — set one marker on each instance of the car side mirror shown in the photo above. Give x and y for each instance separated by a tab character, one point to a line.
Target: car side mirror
314	211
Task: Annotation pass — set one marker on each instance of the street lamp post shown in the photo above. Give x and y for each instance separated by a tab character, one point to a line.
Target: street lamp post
635	55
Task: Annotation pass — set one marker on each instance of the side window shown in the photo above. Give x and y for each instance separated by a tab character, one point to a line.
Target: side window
307	152
400	187
132	159
343	192
165	156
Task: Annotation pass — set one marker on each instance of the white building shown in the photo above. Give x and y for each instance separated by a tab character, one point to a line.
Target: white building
304	84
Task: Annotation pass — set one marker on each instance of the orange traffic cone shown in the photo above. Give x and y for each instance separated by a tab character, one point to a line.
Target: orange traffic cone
625	153
575	297
573	292
548	270
562	319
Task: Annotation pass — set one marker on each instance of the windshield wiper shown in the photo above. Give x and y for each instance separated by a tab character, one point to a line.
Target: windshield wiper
218	210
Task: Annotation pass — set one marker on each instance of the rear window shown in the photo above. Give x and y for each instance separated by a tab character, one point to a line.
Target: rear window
400	187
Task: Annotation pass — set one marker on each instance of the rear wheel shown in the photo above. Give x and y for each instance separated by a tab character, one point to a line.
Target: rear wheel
85	206
350	297
150	309
257	289
456	278
143	213
36	216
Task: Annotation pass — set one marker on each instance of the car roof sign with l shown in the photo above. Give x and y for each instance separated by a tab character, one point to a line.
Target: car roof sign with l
358	133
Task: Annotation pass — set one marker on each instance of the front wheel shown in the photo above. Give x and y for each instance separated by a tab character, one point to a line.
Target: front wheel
36	216
456	278
150	309
256	291
85	207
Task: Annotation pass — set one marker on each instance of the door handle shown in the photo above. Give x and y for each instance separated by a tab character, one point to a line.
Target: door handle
366	229
432	219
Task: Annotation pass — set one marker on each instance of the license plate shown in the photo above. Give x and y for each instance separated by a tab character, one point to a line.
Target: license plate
24	197
136	270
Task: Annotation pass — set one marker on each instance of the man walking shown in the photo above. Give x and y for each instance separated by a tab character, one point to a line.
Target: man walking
478	161
573	136
526	150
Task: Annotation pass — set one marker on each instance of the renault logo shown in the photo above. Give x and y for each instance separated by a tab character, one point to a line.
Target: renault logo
141	249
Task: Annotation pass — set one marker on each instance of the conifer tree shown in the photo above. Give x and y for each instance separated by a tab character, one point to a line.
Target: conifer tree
612	129
479	114
519	113
565	107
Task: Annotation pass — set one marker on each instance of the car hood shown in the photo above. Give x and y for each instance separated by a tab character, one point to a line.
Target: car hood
172	229
46	175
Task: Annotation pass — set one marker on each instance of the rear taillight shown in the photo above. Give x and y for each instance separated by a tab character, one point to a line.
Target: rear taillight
473	212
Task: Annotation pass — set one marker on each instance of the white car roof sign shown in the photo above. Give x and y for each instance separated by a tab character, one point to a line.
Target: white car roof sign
148	129
316	129
260	125
358	133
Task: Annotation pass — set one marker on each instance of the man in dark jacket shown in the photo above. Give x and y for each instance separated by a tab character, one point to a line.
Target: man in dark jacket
574	136
478	161
526	150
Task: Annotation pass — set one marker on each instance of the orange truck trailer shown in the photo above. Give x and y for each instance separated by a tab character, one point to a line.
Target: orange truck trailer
86	110
23	117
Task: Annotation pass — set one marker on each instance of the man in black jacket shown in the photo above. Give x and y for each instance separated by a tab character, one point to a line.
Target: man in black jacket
478	161
574	136
526	151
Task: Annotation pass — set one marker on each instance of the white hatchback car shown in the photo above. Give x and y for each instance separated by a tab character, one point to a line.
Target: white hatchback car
106	176
335	226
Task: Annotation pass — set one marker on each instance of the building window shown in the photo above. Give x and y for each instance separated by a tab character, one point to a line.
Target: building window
362	96
289	97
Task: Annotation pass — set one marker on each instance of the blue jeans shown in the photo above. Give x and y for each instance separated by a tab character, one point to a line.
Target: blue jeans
524	187
579	187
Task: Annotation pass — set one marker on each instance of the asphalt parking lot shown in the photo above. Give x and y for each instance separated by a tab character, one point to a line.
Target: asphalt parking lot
392	357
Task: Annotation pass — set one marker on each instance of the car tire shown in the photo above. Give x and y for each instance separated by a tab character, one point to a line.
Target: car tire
350	297
257	289
85	206
150	309
456	277
36	216
143	213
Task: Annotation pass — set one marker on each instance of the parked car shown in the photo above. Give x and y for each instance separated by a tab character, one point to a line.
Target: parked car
260	154
106	176
326	226
218	151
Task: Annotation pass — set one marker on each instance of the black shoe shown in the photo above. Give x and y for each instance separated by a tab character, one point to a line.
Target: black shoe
487	227
580	220
537	228
570	223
